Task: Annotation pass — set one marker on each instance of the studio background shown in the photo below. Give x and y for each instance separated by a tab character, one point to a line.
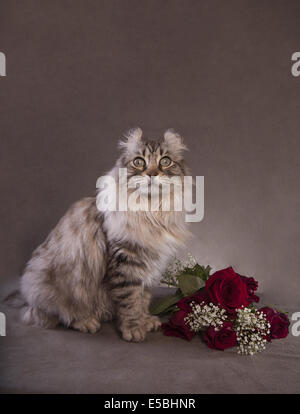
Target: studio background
80	73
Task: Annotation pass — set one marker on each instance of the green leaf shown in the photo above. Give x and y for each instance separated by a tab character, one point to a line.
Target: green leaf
171	309
166	304
189	283
207	271
199	271
281	311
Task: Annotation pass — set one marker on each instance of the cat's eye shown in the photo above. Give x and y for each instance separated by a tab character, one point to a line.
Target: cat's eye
139	162
165	162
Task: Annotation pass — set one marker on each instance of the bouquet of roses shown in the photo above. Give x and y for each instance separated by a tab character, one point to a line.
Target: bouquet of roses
220	307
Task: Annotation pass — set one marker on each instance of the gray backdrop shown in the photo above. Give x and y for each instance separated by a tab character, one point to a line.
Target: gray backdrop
79	73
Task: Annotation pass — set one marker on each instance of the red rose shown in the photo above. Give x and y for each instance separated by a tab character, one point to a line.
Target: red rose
224	338
252	286
201	296
279	323
227	289
176	326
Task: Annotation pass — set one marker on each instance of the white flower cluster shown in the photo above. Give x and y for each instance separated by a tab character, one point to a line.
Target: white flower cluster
251	329
203	316
190	261
176	267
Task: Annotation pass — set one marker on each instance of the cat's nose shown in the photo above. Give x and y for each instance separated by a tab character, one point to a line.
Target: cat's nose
152	173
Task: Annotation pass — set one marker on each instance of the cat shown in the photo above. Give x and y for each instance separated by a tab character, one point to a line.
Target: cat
97	266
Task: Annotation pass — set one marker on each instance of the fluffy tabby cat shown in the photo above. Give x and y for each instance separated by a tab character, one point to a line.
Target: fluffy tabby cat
96	266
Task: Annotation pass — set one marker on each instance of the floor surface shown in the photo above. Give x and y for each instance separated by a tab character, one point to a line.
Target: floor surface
34	360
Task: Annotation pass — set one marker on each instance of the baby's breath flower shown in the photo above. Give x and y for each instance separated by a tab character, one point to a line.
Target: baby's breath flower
205	315
175	267
190	261
251	329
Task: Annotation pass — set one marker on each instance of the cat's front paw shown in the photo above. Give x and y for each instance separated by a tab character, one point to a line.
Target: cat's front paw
136	334
151	323
91	325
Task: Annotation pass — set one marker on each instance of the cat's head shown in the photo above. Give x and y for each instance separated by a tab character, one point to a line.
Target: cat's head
162	158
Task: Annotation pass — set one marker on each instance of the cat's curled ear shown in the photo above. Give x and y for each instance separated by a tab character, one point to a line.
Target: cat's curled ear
131	138
134	134
174	141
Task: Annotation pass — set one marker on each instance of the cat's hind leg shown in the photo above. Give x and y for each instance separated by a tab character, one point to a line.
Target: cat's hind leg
86	325
37	317
32	315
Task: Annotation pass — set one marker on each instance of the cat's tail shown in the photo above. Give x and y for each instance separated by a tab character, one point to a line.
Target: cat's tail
15	300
